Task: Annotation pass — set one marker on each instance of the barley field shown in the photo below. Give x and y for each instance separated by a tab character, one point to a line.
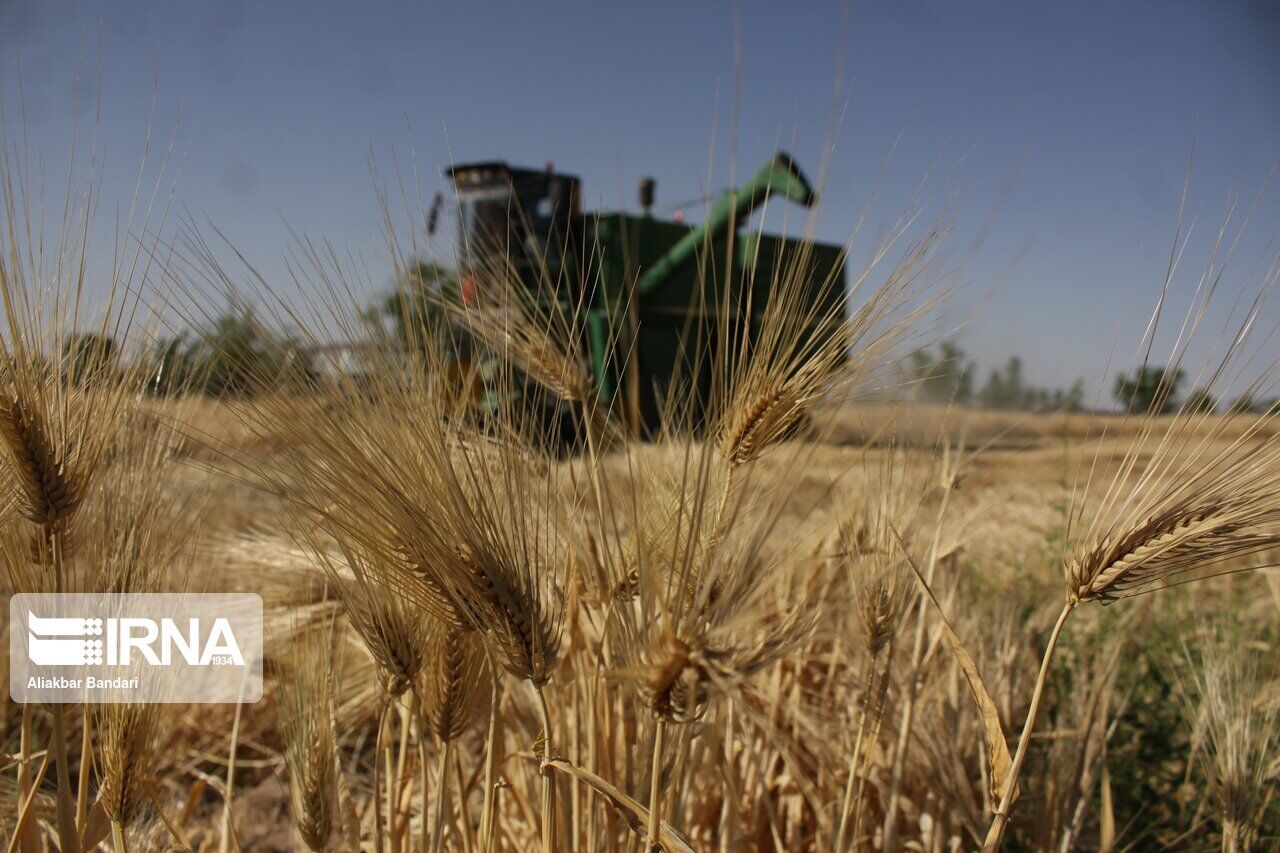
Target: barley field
741	638
802	612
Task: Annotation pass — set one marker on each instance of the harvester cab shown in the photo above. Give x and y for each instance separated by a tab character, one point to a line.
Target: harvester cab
523	213
652	293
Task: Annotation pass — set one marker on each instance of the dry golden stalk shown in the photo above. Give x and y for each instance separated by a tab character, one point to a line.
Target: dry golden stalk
455	683
507	570
127	752
56	436
402	498
136	537
511	332
1237	730
712	598
433	595
677	677
1211	510
880	595
504	569
541	338
881	598
1203	497
674	684
51	489
804	349
653	832
138	530
765	419
454	686
310	743
394	630
1189	536
525	635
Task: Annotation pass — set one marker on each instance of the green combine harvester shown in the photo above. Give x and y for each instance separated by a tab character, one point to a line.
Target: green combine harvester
650	287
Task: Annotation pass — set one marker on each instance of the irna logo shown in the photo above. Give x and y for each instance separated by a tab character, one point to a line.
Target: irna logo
72	641
134	647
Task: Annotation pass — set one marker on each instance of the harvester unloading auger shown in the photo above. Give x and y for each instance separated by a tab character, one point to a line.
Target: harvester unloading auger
652	291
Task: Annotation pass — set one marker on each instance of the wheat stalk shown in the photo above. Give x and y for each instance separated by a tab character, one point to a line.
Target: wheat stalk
1210	507
507	572
50	487
307	726
453	688
880	596
764	419
455	683
772	373
127	748
1237	728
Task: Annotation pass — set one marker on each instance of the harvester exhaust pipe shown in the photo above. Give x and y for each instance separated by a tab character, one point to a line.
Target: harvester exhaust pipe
780	176
647	186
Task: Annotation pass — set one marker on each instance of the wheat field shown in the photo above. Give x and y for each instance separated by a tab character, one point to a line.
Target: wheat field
790	619
797	746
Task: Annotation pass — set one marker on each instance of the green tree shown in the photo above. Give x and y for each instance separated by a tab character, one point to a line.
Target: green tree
238	356
1004	388
1070	400
172	368
1248	404
88	356
1149	389
941	377
413	308
1202	401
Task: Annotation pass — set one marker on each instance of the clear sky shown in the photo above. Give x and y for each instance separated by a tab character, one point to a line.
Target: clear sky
1072	123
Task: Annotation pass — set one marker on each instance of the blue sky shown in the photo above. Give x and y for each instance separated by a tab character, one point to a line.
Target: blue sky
1069	126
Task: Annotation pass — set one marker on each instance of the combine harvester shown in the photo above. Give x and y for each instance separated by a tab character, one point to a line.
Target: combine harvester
651	292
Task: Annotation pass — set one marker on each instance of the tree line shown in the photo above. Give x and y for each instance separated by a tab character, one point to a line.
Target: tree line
232	354
221	360
946	375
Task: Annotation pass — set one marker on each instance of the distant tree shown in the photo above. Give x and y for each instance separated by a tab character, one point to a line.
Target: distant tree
88	356
1242	405
1149	389
992	394
943	376
1070	400
238	356
964	385
172	366
1249	404
1004	388
1201	401
413	309
235	356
